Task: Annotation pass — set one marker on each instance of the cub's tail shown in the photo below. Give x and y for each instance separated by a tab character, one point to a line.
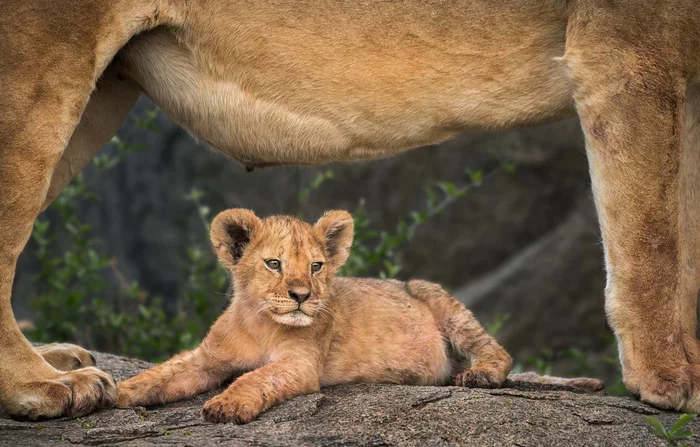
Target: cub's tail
581	383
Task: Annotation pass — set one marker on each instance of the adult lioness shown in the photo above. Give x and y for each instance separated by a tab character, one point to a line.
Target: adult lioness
298	327
291	81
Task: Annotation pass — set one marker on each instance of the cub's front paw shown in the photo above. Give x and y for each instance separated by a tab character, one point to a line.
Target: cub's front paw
226	408
479	378
128	396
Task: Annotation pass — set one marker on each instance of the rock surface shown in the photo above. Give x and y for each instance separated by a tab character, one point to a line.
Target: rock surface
367	415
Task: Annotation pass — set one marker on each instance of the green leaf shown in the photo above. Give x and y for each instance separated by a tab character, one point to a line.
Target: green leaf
448	188
71	228
682	420
681	433
432	198
658	427
418	218
509	168
475	176
194	195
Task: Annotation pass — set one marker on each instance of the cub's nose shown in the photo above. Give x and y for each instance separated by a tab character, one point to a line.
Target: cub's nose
299	294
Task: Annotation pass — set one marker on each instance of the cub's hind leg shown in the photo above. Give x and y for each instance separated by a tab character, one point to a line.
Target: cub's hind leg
490	363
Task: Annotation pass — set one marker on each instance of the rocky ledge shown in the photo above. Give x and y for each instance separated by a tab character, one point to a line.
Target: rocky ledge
520	414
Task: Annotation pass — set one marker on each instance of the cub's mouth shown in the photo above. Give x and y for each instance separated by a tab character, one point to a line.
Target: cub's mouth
295	317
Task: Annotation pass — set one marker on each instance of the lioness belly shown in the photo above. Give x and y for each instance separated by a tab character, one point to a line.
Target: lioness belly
385	336
292	82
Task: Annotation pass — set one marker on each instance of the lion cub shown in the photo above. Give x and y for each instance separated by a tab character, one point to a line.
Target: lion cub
295	327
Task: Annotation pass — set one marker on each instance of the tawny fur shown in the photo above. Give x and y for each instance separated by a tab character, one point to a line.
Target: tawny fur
348	330
311	82
66	356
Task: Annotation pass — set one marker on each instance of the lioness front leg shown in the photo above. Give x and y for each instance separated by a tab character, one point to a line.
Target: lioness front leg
258	390
630	92
30	388
185	375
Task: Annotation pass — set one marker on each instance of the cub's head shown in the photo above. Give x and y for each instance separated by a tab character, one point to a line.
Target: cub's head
280	265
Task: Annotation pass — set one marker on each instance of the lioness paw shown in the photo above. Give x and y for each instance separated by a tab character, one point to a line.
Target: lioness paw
92	389
478	378
72	394
66	356
674	389
225	409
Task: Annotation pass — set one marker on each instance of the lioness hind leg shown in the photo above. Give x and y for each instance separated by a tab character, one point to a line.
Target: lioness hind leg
104	113
630	93
490	363
109	105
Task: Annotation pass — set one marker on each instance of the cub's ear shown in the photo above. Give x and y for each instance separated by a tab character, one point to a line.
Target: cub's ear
231	231
336	229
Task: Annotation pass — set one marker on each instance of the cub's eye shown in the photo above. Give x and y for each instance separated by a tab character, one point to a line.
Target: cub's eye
273	264
316	266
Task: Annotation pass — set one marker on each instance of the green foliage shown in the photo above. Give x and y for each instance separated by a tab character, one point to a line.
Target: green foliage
75	301
577	363
305	192
677	433
541	363
612	360
206	281
378	252
495	325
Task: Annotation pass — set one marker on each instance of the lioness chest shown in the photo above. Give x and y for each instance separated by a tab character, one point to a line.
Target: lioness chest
383	334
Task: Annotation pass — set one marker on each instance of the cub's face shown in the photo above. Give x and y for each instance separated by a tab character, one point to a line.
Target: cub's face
280	265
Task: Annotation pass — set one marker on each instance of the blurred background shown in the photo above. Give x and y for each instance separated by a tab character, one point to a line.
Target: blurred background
505	221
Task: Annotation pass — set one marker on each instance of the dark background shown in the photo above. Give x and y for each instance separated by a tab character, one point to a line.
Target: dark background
525	245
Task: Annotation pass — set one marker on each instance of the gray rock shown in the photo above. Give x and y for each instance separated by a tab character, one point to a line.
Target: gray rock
520	414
